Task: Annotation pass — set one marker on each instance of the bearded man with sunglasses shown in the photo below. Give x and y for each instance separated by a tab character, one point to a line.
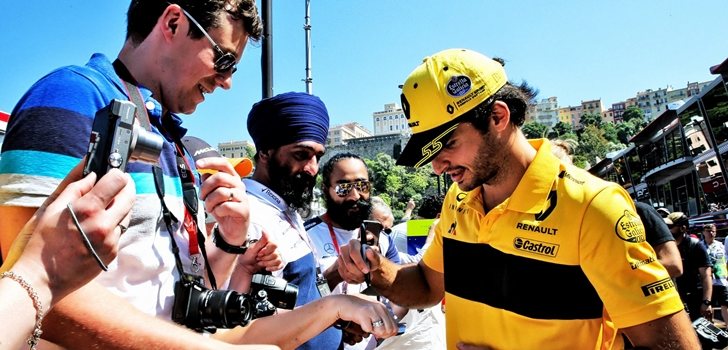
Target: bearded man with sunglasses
346	190
174	55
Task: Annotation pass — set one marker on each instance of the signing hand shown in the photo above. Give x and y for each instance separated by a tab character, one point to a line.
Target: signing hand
351	264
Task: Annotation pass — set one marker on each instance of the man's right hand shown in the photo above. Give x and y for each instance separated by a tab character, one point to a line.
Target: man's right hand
352	266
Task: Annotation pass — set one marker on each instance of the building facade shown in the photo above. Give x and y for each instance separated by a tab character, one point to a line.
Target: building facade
236	149
339	134
390	121
369	147
544	112
592	107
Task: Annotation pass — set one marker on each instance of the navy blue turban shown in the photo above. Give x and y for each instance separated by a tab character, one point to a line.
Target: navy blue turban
288	118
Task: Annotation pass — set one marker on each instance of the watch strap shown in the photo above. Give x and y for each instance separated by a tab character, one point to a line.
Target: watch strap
225	246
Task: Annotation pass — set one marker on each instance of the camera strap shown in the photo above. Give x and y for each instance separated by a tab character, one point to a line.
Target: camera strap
189	193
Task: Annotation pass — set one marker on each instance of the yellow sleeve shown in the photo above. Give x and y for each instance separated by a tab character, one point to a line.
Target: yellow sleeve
622	266
433	256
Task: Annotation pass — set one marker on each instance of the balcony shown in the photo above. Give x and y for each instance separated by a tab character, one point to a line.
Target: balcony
670	170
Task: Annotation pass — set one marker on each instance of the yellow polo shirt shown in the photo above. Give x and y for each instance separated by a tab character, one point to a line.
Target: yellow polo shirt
560	264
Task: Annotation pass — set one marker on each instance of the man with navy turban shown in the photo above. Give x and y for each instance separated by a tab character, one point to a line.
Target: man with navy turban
289	131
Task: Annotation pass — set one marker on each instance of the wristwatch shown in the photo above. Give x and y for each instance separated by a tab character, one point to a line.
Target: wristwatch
225	246
706	302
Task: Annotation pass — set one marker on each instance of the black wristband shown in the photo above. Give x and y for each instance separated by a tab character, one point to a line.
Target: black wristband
706	302
225	246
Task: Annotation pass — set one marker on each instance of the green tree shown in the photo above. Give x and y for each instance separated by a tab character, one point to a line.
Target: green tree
634	114
534	130
593	146
591	119
250	151
397	184
610	132
560	129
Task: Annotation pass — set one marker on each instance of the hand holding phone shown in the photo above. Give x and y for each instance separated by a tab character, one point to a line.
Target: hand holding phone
368	234
372	229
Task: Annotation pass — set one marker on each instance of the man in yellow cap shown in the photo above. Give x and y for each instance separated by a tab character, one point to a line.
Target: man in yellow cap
530	252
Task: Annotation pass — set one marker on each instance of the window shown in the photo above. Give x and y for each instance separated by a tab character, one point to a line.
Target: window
715	103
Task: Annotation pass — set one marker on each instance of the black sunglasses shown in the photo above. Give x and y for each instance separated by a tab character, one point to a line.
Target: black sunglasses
224	61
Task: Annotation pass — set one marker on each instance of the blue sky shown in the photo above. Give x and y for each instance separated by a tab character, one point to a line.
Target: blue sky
362	50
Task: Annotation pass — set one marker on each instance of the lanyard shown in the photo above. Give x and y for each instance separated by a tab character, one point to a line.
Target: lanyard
325	218
190	222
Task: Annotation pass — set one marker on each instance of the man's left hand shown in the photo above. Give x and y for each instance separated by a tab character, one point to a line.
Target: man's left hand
262	255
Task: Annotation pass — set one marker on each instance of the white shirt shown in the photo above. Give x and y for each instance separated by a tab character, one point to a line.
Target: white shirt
270	213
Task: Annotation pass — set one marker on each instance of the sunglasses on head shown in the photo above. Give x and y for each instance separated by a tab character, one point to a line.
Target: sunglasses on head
224	61
343	189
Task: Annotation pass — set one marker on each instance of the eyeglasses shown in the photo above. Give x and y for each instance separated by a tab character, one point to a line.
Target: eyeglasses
343	189
224	61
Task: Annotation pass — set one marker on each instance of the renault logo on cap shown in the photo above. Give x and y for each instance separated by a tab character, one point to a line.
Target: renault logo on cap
458	86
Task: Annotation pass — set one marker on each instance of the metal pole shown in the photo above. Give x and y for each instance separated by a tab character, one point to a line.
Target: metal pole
307	29
266	57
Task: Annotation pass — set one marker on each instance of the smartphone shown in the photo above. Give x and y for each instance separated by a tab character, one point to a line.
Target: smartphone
371	229
368	236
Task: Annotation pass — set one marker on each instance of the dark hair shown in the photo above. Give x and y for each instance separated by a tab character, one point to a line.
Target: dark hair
329	167
516	97
431	206
143	15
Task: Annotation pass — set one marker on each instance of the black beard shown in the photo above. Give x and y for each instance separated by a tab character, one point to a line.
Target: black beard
295	189
339	213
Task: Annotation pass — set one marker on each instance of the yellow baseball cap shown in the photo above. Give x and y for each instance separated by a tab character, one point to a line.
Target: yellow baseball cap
439	91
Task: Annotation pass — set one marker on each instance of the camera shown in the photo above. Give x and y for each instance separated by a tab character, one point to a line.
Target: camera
202	309
116	138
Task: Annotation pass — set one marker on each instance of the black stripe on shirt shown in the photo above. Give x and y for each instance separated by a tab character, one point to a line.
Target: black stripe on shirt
528	287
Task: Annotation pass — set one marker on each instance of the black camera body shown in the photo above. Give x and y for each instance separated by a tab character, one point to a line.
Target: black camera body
116	139
202	309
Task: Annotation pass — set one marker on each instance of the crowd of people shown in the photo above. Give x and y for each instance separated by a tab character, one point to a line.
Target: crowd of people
527	250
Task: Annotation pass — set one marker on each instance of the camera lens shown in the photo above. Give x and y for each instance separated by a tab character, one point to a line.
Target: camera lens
145	146
225	308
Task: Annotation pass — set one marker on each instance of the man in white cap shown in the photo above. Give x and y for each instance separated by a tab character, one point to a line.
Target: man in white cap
530	252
